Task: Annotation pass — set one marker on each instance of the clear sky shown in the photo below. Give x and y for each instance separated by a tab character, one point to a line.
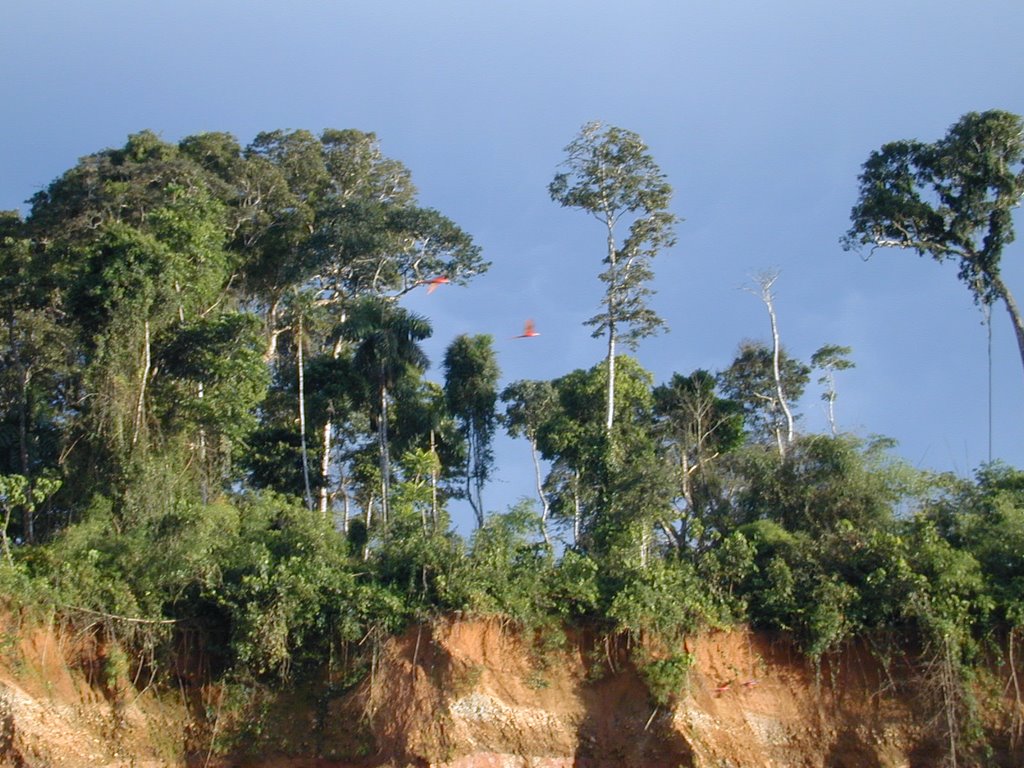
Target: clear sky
759	113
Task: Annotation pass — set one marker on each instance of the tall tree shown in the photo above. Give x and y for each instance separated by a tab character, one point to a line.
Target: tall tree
695	427
387	344
952	199
611	486
751	380
136	241
471	390
611	175
765	283
828	359
36	364
528	404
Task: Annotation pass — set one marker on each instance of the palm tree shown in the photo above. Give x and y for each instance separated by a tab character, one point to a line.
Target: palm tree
386	346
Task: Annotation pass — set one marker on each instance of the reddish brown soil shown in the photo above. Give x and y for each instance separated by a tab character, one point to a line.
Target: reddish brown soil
478	694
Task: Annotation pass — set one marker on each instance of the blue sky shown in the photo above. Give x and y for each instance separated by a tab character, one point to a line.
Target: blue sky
759	113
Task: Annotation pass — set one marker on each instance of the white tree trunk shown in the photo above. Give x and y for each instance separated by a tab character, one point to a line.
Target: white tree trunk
325	459
545	506
140	405
610	412
272	332
302	416
385	459
325	467
433	482
577	514
766	295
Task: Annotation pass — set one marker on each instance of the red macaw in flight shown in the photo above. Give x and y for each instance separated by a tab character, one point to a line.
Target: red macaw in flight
433	282
529	331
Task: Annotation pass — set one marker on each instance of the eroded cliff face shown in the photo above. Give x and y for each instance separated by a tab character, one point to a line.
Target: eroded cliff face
58	710
750	700
479	694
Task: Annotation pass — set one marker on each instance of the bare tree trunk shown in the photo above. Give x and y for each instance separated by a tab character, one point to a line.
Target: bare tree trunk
368	514
545	506
4	542
610	411
1018	721
832	408
346	511
672	535
478	477
385	459
950	700
302	415
577	516
23	457
433	481
474	503
325	459
766	282
273	332
325	467
204	479
141	403
1013	310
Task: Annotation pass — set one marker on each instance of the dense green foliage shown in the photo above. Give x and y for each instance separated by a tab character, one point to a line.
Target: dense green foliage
952	199
216	436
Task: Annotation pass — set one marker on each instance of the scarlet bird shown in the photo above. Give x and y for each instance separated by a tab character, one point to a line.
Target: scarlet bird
433	282
723	687
528	331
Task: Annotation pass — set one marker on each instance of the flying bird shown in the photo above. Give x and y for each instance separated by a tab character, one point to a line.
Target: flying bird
433	282
529	331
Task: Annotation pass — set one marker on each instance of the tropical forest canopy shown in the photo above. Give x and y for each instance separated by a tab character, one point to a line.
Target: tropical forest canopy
215	412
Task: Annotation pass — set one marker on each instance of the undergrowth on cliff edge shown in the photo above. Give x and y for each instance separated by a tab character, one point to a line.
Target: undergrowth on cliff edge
276	593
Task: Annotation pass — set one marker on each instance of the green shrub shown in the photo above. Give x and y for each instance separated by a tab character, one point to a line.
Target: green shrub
665	598
666	677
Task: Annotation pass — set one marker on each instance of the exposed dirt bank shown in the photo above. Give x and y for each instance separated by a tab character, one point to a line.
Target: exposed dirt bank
476	694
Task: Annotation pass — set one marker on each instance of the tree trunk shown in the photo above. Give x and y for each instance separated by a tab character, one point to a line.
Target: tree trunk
325	467
474	503
272	331
1013	310
545	507
140	405
610	413
1018	712
433	482
385	459
766	296
4	542
832	410
325	459
577	513
204	482
612	285
23	457
346	511
478	477
302	416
